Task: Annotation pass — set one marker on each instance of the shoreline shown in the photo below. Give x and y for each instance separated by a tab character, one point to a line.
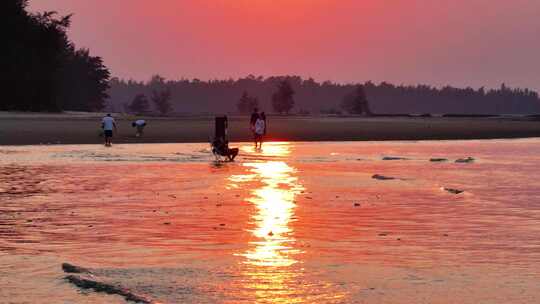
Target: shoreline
273	141
36	129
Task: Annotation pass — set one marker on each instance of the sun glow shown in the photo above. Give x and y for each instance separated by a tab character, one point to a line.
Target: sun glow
274	202
275	209
271	268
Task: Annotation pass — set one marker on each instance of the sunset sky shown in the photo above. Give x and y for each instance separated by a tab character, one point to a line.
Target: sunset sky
457	42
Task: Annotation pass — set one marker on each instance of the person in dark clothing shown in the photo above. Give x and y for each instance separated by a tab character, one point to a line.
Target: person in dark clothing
259	133
253	120
221	147
263	117
254	117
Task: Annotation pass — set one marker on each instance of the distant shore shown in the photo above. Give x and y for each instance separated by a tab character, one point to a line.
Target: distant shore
84	128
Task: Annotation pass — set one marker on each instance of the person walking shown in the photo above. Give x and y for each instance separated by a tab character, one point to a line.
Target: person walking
253	119
254	116
108	124
263	116
260	128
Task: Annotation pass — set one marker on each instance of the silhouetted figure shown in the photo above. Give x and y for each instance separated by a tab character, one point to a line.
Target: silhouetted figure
220	144
263	117
139	125
253	119
108	124
221	124
259	130
221	147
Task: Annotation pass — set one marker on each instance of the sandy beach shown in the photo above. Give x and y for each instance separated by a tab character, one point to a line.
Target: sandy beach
35	129
298	222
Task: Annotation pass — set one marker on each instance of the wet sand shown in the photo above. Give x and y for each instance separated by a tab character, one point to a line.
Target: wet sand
35	129
294	223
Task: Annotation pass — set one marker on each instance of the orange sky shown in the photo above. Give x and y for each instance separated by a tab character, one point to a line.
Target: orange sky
459	42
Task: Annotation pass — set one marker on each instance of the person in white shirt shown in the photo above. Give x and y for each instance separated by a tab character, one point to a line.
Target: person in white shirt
108	124
139	124
260	127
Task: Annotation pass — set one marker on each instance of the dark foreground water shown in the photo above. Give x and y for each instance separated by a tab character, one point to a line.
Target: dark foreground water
293	223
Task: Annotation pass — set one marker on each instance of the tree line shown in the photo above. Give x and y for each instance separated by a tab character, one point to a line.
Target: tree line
44	70
293	94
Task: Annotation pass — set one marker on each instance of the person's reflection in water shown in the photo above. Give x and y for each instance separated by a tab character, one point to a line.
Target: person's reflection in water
271	271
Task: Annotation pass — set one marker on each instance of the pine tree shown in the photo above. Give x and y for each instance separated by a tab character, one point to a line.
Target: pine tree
356	102
283	98
247	103
162	101
45	72
139	105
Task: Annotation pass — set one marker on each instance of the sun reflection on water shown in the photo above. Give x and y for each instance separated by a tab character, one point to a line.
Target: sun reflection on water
275	211
274	202
272	270
276	149
268	273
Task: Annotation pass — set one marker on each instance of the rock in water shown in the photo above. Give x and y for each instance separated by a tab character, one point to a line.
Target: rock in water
453	191
382	177
69	268
465	160
393	158
87	283
438	159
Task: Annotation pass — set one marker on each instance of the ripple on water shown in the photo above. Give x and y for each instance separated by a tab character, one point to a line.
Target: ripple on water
295	222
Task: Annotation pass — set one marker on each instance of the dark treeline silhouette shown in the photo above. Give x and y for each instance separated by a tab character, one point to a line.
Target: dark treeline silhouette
44	71
247	103
297	95
283	98
356	102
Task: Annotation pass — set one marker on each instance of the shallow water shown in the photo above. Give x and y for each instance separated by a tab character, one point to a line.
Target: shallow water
293	223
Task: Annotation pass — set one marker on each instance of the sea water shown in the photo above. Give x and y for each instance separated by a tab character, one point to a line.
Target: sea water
295	222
